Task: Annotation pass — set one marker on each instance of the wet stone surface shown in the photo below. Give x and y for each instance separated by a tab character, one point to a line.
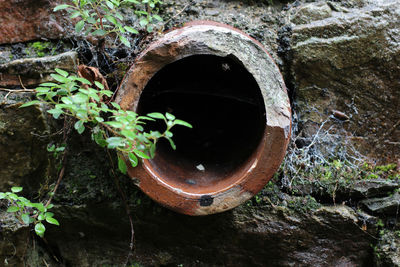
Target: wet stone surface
336	56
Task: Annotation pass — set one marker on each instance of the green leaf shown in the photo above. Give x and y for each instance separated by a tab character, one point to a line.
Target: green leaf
110	5
145	118
23	200
133	1
107	93
114	124
143	22
16	189
97	136
128	134
62	92
111	19
114	142
61	72
183	123
122	165
157	17
39	206
60	7
171	143
139	128
124	41
79	126
80	98
168	134
49	214
170	116
2	195
49	84
91	20
25	218
131	30
141	154
156	115
99	119
141	13
30	103
149	28
115	105
66	100
12	196
155	134
133	159
40	229
152	150
52	220
60	78
119	16
55	112
99	85
82	80
79	26
41	217
13	209
75	14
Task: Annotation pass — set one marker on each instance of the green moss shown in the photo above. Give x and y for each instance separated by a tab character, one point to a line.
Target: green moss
304	204
388	171
39	49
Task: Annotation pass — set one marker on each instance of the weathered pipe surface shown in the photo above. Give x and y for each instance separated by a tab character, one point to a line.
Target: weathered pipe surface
228	87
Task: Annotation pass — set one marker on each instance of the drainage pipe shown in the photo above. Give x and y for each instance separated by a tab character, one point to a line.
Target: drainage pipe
228	87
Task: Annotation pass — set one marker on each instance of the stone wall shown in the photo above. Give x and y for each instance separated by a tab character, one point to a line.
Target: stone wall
340	60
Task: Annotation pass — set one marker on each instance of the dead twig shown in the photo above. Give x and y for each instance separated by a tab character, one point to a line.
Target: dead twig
20	81
17	90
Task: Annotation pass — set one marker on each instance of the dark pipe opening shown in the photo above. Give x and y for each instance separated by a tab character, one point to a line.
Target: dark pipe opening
222	101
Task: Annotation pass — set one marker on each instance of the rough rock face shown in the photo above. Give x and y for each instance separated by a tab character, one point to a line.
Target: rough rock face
387	205
24	133
22	21
343	49
388	251
13	240
291	231
33	71
346	58
23	158
272	236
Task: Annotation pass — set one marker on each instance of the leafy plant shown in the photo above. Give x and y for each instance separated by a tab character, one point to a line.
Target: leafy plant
55	150
103	17
380	223
27	212
74	96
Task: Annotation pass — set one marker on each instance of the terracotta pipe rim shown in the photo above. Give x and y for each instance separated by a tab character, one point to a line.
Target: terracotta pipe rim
271	149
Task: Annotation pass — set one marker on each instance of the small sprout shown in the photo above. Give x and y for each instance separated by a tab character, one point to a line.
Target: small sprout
27	212
103	17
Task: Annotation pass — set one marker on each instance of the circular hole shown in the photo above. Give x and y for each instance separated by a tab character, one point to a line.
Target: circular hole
222	101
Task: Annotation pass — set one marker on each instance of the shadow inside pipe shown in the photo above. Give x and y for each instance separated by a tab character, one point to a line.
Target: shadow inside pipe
222	101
